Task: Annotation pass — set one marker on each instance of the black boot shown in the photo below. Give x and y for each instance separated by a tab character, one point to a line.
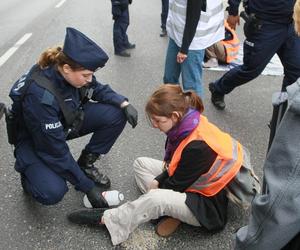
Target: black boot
87	216
216	98
86	163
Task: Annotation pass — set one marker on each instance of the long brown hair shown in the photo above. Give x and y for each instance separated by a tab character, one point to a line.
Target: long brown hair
296	17
169	98
55	56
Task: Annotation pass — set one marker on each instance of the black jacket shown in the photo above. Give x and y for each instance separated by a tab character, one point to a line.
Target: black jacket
196	159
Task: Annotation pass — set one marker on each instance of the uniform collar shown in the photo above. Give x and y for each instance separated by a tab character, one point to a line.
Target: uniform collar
54	75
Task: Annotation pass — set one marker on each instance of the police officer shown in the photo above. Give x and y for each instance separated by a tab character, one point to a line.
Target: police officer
42	155
120	14
269	31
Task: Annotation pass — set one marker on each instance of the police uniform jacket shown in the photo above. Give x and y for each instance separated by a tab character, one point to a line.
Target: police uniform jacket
41	136
276	11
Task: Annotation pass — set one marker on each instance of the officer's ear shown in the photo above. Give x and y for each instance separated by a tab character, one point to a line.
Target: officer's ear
66	69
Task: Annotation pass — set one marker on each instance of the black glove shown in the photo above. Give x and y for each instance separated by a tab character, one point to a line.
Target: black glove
96	199
130	1
131	115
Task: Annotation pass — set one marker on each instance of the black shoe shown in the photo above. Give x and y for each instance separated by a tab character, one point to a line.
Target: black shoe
123	53
2	108
87	216
163	33
130	46
86	163
216	98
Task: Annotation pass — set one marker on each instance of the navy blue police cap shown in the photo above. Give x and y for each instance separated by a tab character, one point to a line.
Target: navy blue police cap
83	50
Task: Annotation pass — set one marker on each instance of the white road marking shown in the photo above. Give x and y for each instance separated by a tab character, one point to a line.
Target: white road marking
60	3
13	49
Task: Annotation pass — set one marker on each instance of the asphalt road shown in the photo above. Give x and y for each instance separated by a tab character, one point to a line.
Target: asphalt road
24	224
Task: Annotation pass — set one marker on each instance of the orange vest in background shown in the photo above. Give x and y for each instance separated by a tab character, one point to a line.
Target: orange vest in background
227	164
231	46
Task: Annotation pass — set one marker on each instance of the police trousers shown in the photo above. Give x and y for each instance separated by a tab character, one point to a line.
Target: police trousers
48	185
120	37
164	13
275	215
153	204
259	48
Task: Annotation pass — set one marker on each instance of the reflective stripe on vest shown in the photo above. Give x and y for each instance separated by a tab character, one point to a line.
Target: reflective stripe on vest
210	28
231	46
225	167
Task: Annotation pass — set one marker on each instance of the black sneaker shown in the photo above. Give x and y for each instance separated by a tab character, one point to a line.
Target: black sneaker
87	216
123	53
216	98
130	46
163	33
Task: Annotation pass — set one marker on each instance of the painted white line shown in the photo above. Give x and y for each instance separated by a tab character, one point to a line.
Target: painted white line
60	3
13	49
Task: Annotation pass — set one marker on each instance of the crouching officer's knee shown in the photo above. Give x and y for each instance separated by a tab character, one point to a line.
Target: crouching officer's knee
50	195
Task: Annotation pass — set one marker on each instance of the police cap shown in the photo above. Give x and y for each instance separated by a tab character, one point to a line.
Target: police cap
83	50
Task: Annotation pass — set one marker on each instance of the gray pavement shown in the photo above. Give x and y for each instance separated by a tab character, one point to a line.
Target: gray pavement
24	224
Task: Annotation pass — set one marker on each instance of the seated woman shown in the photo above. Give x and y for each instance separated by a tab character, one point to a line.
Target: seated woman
189	185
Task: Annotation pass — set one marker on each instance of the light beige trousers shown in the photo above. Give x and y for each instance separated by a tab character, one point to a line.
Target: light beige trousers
123	220
217	50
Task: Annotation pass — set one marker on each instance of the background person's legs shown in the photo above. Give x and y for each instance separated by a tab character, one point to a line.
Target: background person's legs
191	70
172	68
258	51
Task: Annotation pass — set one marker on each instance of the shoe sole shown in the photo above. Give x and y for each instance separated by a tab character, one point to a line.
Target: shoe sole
218	107
167	226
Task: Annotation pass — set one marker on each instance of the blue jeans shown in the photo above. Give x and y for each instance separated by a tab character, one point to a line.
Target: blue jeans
190	69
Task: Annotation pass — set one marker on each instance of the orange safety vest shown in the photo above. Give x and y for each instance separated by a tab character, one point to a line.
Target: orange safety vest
231	46
227	164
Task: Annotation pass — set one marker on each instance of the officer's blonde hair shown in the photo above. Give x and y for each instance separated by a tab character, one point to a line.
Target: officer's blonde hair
169	98
55	56
296	17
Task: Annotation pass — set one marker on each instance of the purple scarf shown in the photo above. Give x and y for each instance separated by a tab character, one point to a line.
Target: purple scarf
180	132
